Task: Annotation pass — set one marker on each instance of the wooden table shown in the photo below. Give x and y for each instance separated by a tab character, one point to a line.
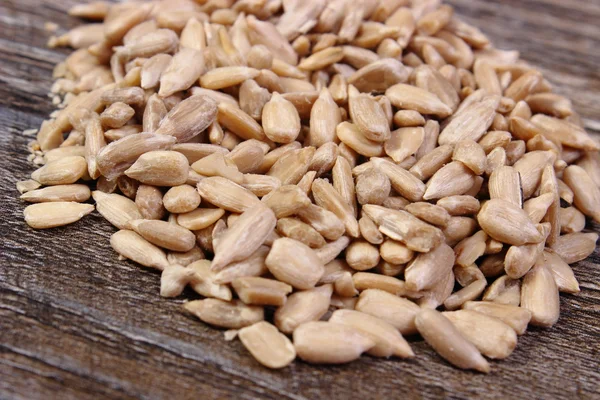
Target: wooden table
75	322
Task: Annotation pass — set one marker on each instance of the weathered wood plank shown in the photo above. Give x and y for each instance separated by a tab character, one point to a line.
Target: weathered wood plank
77	323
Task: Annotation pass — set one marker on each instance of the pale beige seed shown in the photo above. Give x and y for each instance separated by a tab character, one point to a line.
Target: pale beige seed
368	280
60	152
430	141
369	231
160	168
350	135
295	263
425	270
361	255
323	221
470	292
565	191
467	275
153	69
493	246
358	57
117	209
324	118
27	186
388	341
62	171
413	98
239	122
571	220
181	199
154	112
396	311
115	116
251	266
574	247
562	272
494	338
520	259
244	237
372	33
486	77
193	35
163	234
590	162
119	155
539	294
403	182
226	194
338	88
515	317
586	193
324	159
292	165
134	247
128	95
372	187
453	179
200	218
270	348
395	253
382	74
537	207
259	57
113	135
458	228
459	205
435	297
174	279
470	249
471	155
470	123
261	291
327	197
433	161
286	200
504	290
218	97
224	77
303	306
564	132
494	139
298	230
408	118
253	98
428	78
404	142
186	258
507	223
225	314
261	185
216	164
184	69
530	168
447	340
280	120
387	269
368	115
330	343
248	155
344	183
53	214
322	58
505	184
74	193
404	227
188	118
433	214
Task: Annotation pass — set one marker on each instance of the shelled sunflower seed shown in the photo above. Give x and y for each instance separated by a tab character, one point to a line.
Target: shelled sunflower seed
303	156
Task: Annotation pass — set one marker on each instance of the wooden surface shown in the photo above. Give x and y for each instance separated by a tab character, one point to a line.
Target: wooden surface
76	323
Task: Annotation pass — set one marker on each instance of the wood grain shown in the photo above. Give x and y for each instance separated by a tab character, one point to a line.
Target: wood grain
77	323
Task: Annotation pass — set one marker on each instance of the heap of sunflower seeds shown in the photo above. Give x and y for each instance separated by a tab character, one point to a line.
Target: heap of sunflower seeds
367	169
